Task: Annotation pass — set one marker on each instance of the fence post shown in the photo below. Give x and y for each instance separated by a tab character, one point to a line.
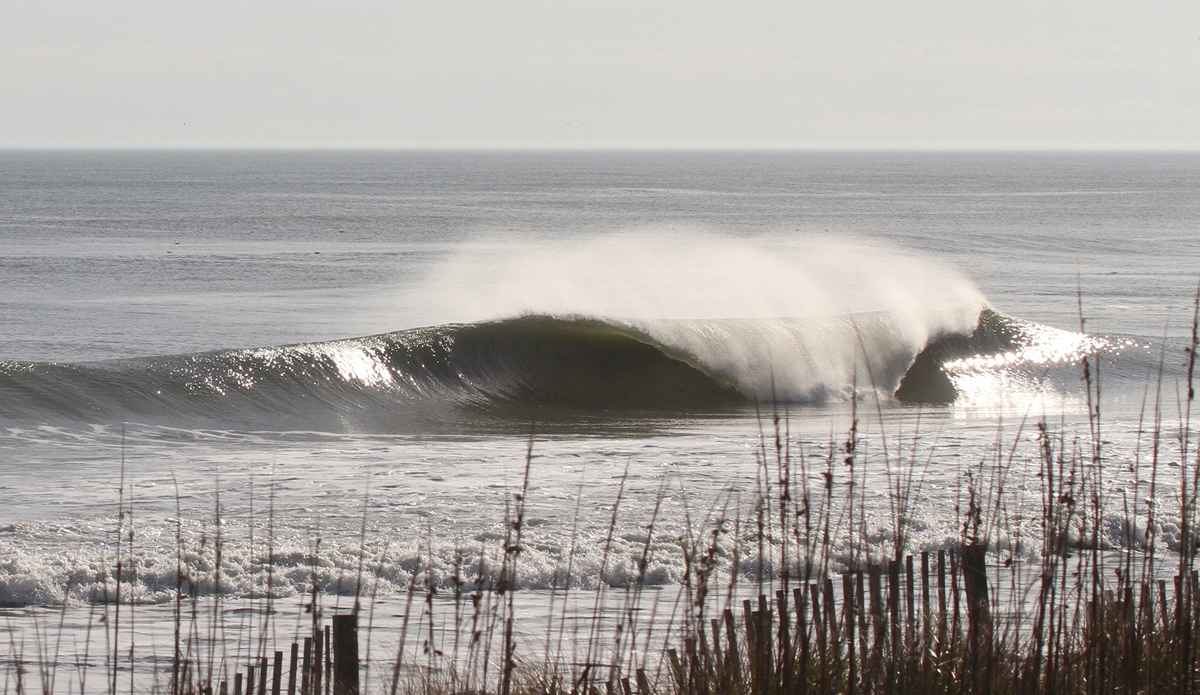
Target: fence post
979	620
291	689
277	675
306	667
345	654
318	660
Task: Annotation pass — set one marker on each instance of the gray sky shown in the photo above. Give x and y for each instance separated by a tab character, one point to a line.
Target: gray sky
582	74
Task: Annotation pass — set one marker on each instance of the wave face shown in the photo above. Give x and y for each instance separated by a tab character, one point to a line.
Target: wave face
539	367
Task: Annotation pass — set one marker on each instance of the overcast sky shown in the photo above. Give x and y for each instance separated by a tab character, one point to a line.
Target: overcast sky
581	74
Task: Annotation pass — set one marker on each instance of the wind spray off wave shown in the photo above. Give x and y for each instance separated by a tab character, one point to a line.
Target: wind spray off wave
800	320
708	326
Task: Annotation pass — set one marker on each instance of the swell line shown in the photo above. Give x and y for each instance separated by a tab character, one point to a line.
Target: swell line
535	366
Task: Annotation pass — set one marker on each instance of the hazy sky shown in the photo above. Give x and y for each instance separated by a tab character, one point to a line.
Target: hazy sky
581	74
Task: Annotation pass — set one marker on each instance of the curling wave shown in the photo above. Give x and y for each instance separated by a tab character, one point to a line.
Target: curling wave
533	366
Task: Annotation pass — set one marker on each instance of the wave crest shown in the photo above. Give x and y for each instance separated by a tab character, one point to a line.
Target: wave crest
539	367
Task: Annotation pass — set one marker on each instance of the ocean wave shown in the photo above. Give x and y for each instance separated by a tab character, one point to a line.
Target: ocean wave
545	367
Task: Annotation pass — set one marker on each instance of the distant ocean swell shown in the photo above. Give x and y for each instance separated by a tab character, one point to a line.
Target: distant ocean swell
541	366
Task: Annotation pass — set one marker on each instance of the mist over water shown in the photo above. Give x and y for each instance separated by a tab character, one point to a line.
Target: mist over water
654	273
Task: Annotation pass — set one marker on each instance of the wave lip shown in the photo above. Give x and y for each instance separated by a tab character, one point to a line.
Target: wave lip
541	367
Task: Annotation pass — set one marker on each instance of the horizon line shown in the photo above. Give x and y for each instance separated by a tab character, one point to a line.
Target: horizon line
923	148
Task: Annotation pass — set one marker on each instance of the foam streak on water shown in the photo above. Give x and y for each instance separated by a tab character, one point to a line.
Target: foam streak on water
447	497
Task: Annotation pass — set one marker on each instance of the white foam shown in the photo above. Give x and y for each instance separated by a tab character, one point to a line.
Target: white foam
806	360
793	317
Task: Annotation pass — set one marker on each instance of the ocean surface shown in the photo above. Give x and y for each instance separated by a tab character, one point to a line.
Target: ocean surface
336	365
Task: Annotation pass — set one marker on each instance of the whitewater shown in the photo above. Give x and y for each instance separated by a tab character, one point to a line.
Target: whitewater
348	355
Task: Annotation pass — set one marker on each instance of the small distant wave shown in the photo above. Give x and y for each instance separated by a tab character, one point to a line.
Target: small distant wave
539	366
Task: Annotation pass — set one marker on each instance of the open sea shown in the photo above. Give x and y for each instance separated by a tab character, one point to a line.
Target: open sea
335	365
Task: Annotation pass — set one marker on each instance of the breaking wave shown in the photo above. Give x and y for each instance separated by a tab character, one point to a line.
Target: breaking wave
542	366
